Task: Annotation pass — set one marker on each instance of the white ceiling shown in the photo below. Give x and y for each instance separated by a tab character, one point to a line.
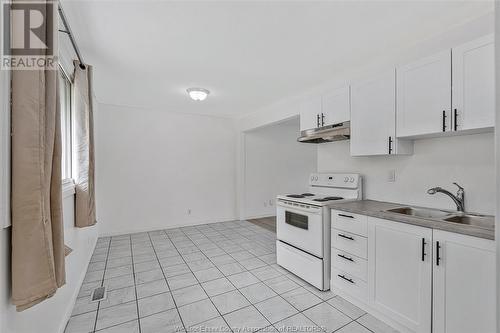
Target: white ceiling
247	53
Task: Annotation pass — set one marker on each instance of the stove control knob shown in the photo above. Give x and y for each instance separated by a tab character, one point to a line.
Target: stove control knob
346	179
316	178
312	178
351	179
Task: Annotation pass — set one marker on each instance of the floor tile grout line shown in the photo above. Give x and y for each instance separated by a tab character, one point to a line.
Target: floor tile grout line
362	323
202	286
166	280
135	284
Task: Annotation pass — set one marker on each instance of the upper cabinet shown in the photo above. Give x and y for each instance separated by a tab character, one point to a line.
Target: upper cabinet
326	109
474	85
373	117
310	113
450	92
335	106
424	96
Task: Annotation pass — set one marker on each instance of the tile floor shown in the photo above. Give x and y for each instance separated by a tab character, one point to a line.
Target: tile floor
218	277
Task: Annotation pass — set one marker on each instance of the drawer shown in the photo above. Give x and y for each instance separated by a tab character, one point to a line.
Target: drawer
350	263
353	223
349	284
349	243
300	263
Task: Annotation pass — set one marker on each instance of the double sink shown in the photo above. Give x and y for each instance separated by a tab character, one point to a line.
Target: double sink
481	221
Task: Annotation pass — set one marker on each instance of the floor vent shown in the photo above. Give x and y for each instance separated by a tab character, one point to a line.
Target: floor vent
99	294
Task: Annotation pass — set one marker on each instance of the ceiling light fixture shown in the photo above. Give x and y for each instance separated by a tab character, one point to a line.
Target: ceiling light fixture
198	94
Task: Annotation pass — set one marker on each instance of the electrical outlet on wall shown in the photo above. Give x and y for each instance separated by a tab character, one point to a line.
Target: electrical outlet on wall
391	176
271	202
189	211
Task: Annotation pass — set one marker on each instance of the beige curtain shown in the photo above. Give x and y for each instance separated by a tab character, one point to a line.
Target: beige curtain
84	146
37	227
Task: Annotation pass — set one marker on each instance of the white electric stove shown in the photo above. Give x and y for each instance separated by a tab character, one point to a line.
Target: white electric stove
303	225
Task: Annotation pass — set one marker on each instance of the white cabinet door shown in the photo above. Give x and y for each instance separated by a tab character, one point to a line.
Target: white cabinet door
373	117
400	272
424	96
310	113
474	84
464	284
335	106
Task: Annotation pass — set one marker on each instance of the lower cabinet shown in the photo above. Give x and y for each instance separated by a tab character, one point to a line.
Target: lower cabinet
400	266
464	284
418	279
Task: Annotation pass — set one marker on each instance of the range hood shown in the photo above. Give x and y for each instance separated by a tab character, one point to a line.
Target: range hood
330	133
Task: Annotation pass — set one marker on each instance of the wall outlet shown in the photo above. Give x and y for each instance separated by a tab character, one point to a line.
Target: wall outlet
189	211
391	176
271	202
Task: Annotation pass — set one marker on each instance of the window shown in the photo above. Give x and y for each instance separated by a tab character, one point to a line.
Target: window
66	132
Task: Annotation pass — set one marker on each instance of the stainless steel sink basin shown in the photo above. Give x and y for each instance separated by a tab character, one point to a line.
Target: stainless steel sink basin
476	220
420	212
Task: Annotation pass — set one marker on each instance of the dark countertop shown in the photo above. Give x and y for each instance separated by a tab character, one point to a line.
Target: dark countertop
378	209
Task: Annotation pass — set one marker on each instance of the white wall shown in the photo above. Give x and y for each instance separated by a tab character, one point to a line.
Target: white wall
152	166
52	314
468	160
275	163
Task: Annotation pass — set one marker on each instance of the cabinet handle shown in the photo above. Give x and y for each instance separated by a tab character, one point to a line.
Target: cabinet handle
438	247
317	120
346	237
455	124
444	121
390	145
423	249
344	257
343	277
322	119
348	216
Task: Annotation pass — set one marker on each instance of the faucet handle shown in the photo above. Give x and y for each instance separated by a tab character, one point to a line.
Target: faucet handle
460	188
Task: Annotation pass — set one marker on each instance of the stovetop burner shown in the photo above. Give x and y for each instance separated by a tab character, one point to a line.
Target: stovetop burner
328	199
303	195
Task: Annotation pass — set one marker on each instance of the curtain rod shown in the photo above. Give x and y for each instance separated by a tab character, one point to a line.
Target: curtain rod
71	36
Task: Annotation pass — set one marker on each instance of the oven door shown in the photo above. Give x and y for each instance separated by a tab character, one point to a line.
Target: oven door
300	226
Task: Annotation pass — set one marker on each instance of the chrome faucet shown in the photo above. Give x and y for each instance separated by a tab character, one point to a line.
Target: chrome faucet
459	199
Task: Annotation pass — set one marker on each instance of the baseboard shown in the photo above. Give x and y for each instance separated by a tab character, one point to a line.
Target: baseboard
154	228
69	309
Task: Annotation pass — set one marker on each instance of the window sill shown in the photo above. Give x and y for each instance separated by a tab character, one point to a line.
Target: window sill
68	188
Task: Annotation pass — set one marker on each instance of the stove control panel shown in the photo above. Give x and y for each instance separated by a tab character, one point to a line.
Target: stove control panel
345	180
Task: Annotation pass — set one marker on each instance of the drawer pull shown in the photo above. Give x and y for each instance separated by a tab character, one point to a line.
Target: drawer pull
423	249
438	247
344	257
346	237
348	216
347	279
